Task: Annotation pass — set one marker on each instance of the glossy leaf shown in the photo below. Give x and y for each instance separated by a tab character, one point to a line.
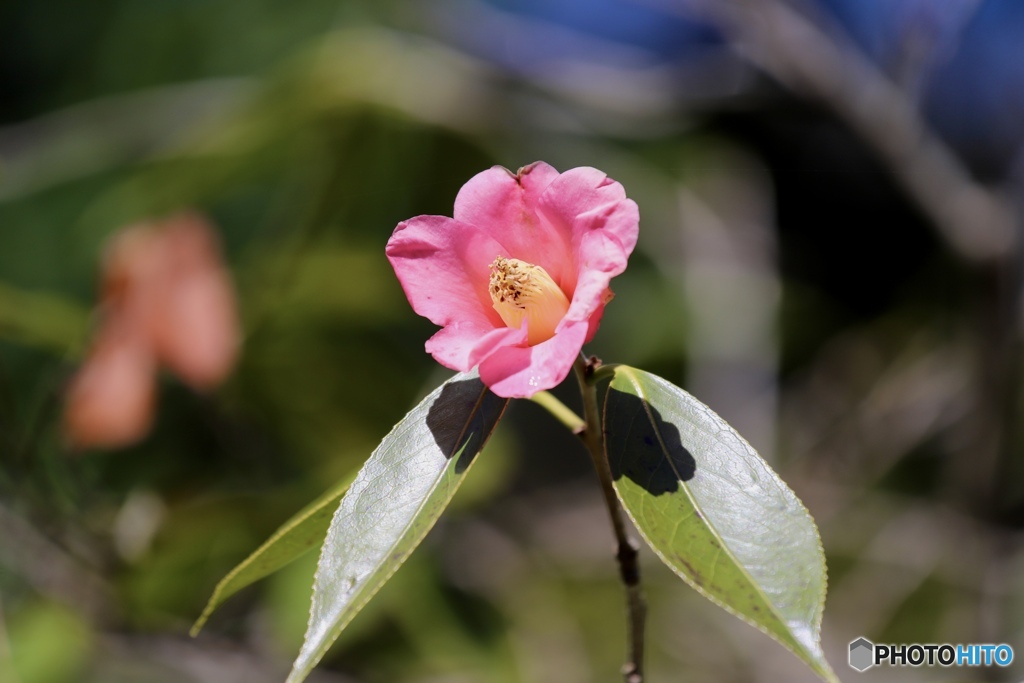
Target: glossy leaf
715	512
304	531
393	502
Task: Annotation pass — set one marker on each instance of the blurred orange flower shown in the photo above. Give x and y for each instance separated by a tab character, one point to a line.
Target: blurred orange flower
166	299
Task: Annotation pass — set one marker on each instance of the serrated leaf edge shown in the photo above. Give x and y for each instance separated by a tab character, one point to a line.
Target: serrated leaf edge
822	667
340	626
218	597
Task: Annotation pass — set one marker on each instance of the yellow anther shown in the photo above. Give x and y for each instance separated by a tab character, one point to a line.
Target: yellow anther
522	291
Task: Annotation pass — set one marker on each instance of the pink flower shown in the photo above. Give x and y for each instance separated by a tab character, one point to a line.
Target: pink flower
110	401
166	300
518	279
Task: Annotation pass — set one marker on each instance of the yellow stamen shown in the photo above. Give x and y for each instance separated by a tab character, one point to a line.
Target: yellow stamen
522	291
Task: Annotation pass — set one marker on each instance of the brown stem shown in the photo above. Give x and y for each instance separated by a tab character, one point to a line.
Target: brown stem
629	568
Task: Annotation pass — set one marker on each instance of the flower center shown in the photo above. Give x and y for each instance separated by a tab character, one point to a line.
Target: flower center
522	291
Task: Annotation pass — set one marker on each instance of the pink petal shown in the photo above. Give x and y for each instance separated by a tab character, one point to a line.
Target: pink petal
193	322
583	200
495	340
167	278
594	322
110	401
601	258
197	333
461	345
504	205
520	372
443	266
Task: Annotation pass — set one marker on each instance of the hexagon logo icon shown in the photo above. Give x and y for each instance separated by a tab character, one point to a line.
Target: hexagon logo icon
862	654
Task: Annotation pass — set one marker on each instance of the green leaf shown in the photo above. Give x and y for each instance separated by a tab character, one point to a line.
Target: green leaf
393	502
715	512
42	319
293	539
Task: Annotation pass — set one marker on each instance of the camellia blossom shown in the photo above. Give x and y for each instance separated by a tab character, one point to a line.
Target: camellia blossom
166	299
519	277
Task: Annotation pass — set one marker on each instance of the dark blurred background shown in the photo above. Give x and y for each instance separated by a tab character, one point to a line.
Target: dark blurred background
830	257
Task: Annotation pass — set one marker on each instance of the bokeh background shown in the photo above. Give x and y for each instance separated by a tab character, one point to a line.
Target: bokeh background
830	257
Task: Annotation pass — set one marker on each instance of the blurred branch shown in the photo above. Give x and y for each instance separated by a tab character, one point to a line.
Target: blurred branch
976	221
208	660
51	570
7	672
108	132
725	261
